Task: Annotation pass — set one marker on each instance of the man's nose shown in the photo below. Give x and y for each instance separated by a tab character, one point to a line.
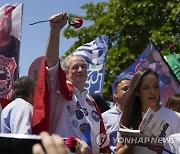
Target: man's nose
80	68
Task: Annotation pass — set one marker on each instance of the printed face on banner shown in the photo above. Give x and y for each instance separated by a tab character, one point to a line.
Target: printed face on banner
5	23
9	48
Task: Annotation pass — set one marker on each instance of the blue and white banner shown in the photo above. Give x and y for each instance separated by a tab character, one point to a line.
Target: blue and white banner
152	58
95	55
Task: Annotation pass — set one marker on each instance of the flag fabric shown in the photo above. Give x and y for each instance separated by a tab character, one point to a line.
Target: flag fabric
174	62
10	25
87	136
95	55
152	58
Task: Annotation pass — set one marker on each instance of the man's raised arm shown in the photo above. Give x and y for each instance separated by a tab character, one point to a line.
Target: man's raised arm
57	22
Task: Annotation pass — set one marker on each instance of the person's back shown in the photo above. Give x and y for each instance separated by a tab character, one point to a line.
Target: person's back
16	117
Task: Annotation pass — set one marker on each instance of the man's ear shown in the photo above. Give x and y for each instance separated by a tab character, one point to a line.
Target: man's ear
115	94
115	98
66	71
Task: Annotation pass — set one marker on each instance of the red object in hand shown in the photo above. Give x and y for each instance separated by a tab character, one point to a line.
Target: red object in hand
76	22
171	46
71	142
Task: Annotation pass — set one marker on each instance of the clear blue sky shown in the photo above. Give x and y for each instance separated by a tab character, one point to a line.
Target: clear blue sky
34	38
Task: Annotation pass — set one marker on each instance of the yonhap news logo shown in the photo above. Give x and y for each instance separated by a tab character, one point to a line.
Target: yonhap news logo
102	140
144	140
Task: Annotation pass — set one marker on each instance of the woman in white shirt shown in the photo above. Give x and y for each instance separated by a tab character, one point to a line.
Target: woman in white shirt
144	93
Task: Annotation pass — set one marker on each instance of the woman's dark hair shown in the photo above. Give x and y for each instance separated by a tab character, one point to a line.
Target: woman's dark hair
173	103
23	87
132	111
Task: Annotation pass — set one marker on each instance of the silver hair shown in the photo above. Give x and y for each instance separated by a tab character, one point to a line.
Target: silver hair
65	62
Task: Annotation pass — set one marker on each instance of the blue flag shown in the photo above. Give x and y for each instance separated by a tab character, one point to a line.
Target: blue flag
152	58
95	55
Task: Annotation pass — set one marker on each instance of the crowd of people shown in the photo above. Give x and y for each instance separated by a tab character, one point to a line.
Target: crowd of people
58	106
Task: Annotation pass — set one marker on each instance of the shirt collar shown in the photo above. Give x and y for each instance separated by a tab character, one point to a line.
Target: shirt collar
76	90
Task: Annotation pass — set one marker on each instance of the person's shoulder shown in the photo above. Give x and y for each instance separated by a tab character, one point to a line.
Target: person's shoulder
10	105
176	135
177	114
106	113
16	40
24	102
8	108
20	103
109	112
165	109
16	44
174	145
22	106
169	112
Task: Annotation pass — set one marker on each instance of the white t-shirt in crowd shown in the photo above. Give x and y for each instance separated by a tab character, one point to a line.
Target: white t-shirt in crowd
172	118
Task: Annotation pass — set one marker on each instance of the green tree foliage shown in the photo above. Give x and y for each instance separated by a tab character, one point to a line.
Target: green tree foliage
129	25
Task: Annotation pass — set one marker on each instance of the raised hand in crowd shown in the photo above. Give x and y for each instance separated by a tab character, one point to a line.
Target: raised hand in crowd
54	144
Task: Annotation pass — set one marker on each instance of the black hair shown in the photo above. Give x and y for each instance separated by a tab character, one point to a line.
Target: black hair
23	87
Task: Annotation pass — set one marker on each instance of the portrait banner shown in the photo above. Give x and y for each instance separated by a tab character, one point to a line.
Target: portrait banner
10	36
